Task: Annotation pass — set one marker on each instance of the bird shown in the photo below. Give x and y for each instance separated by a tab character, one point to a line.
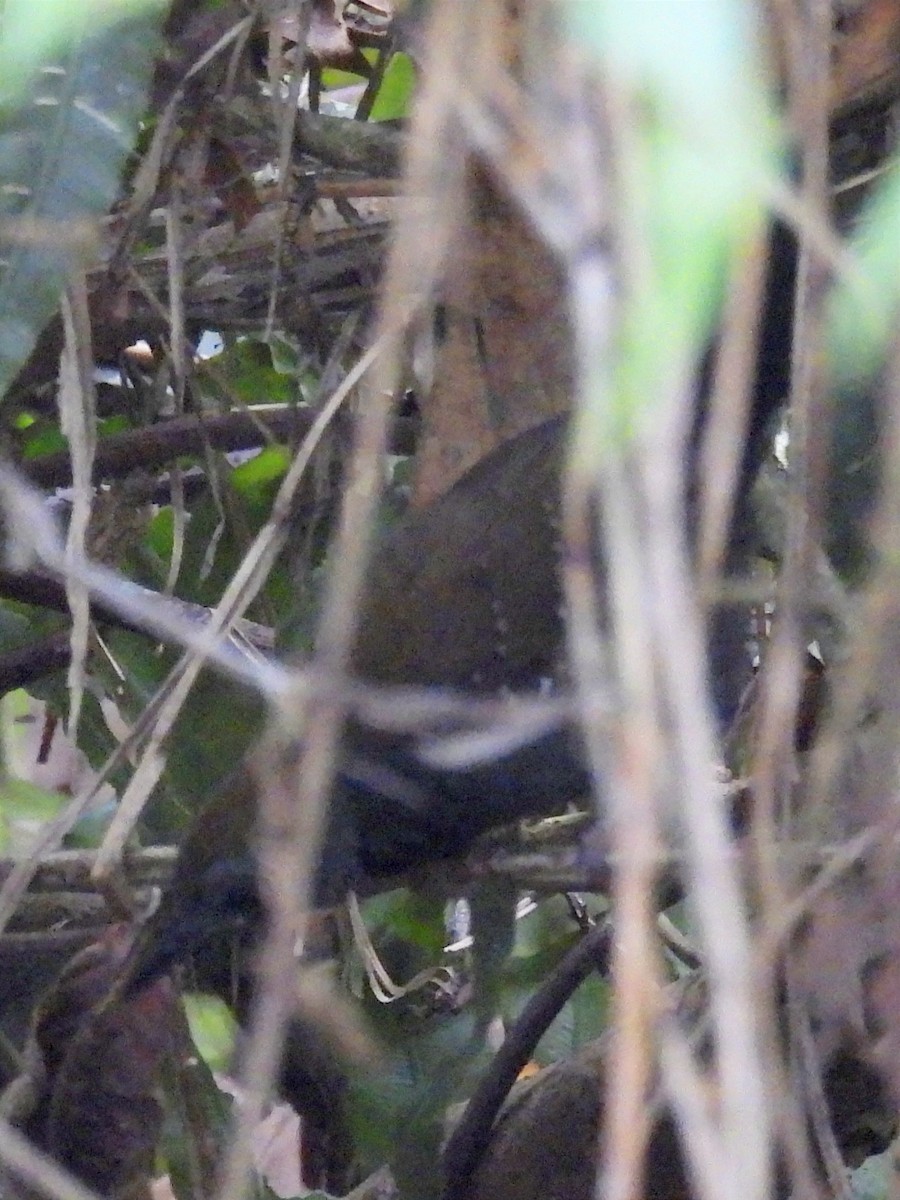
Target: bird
480	611
466	623
463	595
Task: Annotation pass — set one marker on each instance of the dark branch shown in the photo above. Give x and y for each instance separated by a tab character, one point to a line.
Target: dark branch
373	147
471	1137
156	445
19	668
70	870
32	587
22	666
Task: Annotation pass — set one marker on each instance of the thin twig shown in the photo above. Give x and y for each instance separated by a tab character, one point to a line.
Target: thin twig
813	1092
729	408
77	402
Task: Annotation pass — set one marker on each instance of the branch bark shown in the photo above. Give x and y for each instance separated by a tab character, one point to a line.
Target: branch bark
157	445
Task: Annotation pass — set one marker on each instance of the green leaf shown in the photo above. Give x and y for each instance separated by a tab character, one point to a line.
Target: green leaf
160	536
255	372
703	149
409	915
397	86
118	423
17	630
543	938
399	1115
217	724
63	145
43	439
255	477
590	1010
88	832
286	358
548	925
213	1029
864	307
24	808
708	93
334	77
35	34
26	802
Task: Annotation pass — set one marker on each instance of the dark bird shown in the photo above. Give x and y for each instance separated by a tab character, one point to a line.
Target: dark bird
462	595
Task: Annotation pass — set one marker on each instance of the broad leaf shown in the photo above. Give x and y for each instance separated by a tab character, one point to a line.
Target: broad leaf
63	143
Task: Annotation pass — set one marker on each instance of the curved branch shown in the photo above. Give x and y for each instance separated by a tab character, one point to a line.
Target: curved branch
471	1137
